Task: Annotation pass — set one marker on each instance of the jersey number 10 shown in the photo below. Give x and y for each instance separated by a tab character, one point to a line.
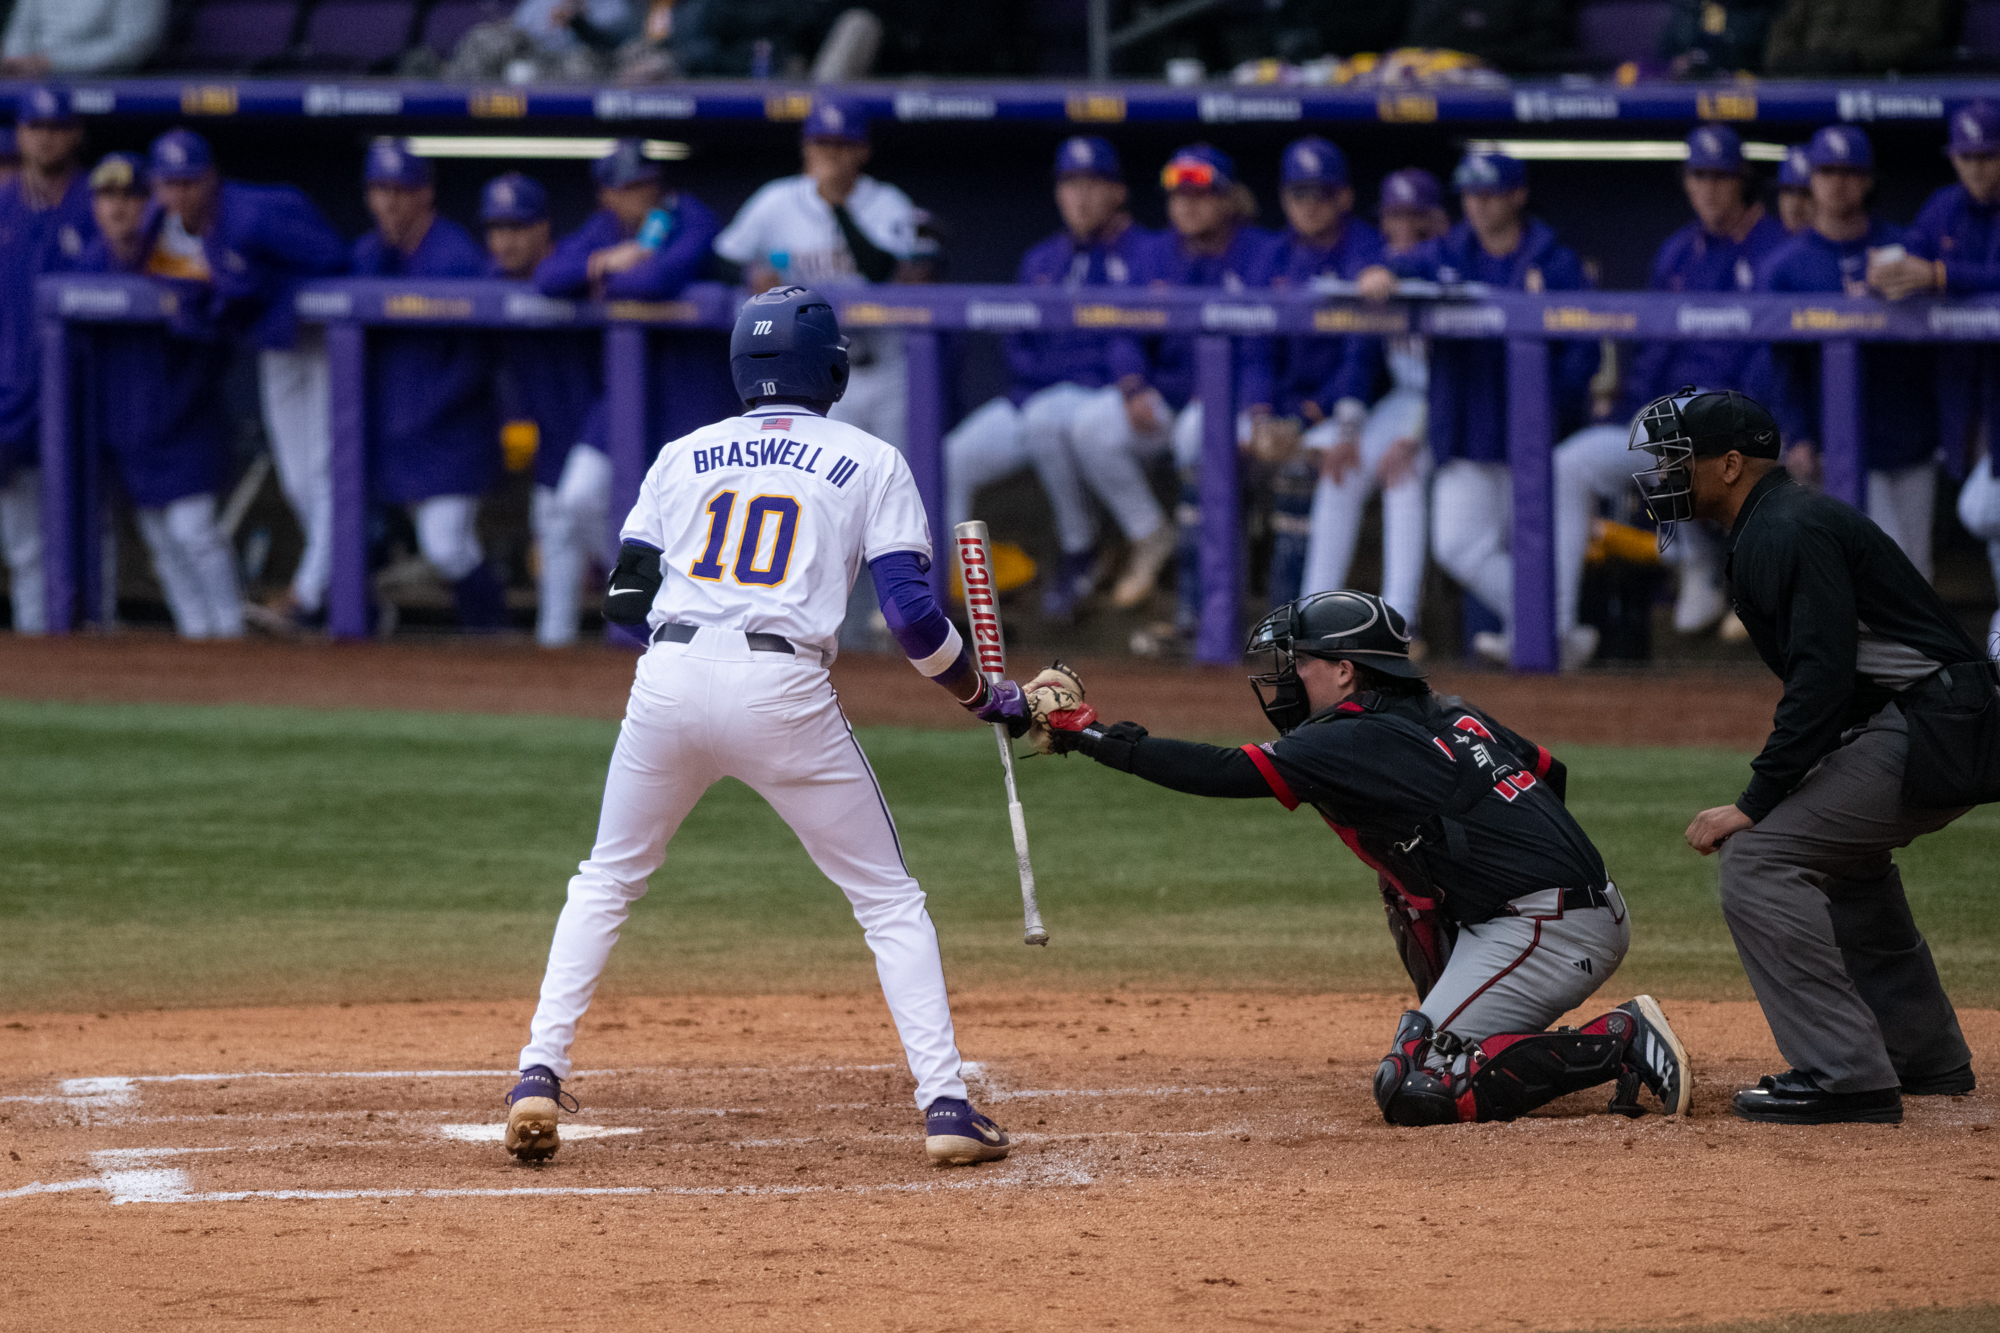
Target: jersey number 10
720	509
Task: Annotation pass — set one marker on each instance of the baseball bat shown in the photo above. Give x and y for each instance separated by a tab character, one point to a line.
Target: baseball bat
982	609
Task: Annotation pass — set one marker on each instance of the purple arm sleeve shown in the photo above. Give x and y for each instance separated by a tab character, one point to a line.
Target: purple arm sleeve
920	626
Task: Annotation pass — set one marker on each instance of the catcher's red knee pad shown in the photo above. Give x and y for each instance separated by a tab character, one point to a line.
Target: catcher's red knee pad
1513	1074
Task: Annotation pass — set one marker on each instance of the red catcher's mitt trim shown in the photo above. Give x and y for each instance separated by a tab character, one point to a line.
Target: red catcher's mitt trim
1279	787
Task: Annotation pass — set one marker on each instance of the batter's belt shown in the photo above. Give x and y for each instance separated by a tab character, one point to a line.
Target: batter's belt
673	631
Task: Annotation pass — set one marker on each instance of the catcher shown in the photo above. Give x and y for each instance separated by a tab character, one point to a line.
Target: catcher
1497	900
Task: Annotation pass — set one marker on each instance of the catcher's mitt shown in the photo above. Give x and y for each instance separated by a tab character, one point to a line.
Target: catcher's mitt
1055	695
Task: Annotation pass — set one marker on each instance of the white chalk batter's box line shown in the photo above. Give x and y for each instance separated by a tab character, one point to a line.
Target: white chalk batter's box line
120	1175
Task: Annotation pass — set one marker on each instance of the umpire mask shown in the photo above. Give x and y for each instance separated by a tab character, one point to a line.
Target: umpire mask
1687	425
1355	627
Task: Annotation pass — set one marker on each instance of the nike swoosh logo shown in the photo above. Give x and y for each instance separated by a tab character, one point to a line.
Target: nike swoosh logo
990	1135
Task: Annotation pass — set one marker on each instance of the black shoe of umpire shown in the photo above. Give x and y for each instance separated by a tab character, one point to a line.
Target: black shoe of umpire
1792	1098
1952	1083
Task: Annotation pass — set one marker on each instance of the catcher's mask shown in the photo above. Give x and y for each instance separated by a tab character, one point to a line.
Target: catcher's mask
1355	627
1690	424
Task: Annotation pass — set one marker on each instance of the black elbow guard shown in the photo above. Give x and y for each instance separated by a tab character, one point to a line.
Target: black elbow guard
1112	746
633	585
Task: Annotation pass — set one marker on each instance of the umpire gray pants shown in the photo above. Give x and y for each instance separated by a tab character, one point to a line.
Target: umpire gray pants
1816	907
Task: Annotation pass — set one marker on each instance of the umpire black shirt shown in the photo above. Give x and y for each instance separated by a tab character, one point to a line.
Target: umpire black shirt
1839	613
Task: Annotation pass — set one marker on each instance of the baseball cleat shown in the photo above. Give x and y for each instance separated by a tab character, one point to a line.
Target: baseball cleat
533	1108
957	1135
1794	1098
1658	1057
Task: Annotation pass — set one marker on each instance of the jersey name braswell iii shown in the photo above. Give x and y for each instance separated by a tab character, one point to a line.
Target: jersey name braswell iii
762	522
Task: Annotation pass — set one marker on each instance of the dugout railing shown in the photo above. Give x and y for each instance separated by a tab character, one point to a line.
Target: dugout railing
1217	319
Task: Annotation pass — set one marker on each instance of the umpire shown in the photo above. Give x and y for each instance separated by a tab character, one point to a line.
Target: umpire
1886	731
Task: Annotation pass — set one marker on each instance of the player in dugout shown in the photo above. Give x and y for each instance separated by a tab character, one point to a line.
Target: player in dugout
1054	376
1318	390
1795	201
1472	494
1899	425
1498	902
1212	241
157	408
250	246
433	426
1387	450
1722	250
1953	248
45	222
645	242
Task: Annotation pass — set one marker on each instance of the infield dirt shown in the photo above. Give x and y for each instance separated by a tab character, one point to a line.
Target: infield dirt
1185	1160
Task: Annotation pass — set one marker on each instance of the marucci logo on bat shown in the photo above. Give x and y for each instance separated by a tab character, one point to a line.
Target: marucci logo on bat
978	574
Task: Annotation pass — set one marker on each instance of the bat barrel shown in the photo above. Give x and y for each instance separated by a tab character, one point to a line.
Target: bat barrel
982	596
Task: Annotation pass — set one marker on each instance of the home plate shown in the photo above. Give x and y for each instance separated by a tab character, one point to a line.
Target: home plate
495	1133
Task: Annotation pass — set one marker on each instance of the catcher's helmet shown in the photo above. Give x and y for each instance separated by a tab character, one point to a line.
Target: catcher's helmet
1342	626
1690	424
787	344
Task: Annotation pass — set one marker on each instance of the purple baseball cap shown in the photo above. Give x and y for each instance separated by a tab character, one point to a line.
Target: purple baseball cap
513	200
43	104
1714	148
1314	161
1489	173
120	173
390	162
1975	130
1088	155
1411	190
836	118
1840	146
625	164
1198	166
180	155
1795	173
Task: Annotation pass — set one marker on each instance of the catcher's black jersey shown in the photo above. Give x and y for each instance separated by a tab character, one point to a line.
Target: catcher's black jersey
1388	769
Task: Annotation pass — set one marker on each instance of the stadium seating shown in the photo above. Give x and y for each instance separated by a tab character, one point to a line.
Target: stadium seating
1621	30
358	35
448	20
1981	35
233	35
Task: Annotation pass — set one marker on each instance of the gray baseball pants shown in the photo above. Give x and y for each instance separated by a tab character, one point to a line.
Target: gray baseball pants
1815	904
1521	972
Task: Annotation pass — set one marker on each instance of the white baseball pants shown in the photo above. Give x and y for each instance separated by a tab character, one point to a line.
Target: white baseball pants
448	534
713	708
1901	502
571	523
1520	973
1106	454
1979	510
878	394
296	388
196	567
1337	506
980	450
21	545
1472	510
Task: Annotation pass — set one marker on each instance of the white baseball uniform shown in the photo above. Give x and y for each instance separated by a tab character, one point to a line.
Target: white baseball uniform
21	547
763	522
788	226
1337	505
195	565
296	390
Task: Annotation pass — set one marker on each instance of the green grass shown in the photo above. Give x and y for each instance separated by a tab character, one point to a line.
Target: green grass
160	855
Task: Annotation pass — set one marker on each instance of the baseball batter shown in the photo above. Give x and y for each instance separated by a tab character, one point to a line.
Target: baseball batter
1497	899
738	558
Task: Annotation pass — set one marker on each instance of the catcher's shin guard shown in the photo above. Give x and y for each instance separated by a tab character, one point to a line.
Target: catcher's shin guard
1433	1078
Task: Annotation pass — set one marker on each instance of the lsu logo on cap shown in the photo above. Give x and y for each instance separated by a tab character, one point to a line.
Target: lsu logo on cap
1710	144
1079	152
173	152
1308	160
833	118
1968	128
503	194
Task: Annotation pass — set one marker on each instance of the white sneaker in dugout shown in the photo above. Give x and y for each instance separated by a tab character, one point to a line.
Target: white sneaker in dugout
1700	604
1578	647
1494	647
1142	568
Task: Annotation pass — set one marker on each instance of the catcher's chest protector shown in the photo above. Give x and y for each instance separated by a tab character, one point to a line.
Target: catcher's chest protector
1399	851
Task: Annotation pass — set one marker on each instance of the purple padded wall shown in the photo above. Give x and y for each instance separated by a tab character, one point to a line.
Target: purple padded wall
228	34
357	33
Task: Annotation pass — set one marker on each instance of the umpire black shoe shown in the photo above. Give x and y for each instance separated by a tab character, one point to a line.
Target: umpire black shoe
1792	1098
1952	1083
